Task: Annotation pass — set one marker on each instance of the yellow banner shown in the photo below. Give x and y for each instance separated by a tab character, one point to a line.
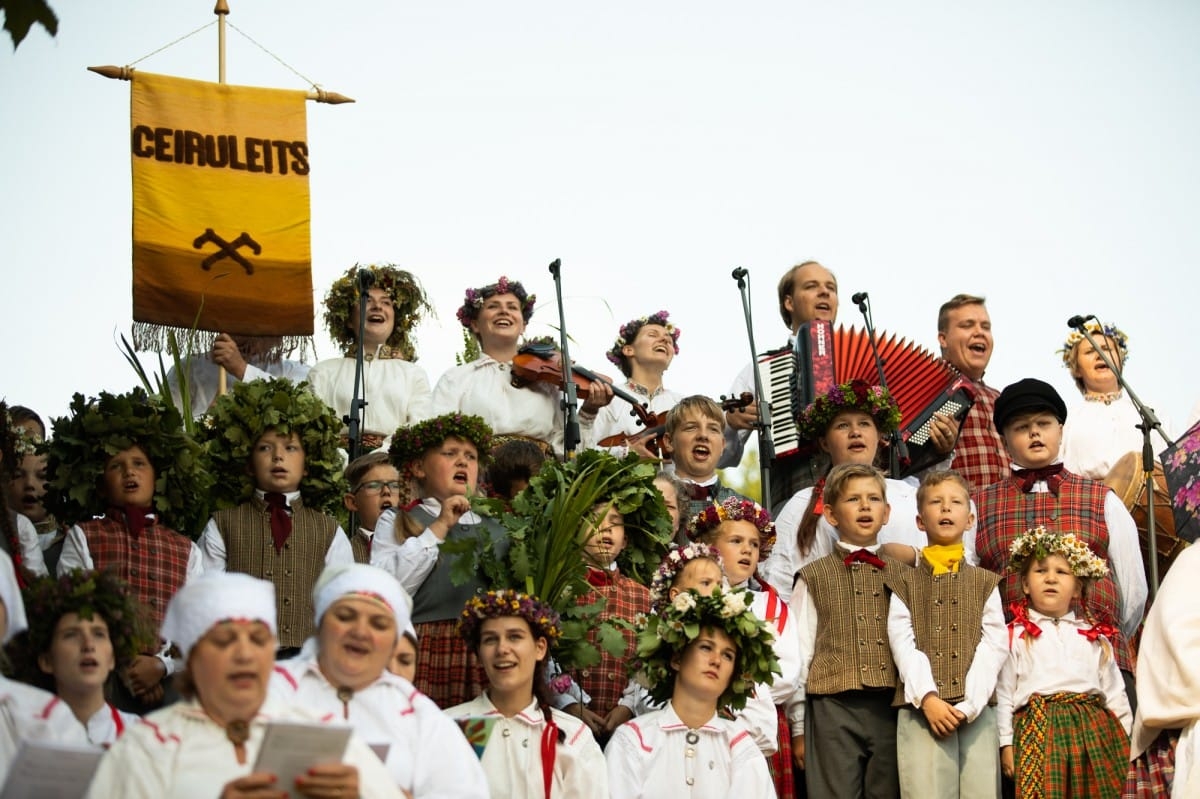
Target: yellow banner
220	207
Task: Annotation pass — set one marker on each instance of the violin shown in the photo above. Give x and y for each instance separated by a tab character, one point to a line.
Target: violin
542	363
657	429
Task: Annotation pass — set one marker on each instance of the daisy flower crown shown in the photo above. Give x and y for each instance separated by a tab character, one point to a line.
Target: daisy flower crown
1038	543
660	637
474	298
24	442
1096	329
543	620
857	395
673	564
734	509
412	442
629	331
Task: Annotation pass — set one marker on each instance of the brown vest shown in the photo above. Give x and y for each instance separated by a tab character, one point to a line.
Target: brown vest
249	548
851	651
947	618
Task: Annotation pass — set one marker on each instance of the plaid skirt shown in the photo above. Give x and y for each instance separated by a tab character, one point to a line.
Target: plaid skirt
447	671
781	764
1153	772
1069	745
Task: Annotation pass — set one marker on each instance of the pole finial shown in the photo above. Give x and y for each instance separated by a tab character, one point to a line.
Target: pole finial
222	8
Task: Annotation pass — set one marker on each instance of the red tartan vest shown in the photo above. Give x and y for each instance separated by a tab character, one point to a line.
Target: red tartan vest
1005	512
605	681
154	565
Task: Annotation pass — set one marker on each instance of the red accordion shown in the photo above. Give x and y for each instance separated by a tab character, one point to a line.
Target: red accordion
921	383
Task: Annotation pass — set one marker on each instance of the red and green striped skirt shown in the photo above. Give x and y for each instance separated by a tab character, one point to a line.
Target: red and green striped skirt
1068	745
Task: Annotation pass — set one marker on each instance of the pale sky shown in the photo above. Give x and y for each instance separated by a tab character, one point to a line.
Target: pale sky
1042	154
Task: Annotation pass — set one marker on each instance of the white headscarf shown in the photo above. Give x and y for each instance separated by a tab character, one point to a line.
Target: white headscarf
215	597
348	579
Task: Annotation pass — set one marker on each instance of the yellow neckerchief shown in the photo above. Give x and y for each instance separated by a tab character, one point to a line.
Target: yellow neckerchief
943	559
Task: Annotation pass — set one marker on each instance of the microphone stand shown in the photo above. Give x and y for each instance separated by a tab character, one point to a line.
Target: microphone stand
353	420
766	445
1149	424
570	401
898	451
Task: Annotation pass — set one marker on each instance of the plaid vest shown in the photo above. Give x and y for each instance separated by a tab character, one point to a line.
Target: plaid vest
851	651
979	453
1005	512
294	570
947	618
154	565
605	681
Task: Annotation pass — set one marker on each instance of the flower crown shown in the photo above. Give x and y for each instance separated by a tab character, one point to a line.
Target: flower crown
473	299
24	442
99	428
660	637
237	421
88	594
543	619
857	395
1039	543
628	333
412	442
734	509
673	564
408	299
1096	329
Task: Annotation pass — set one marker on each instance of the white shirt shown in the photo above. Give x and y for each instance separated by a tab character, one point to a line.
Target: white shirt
780	567
427	756
512	759
108	724
212	544
397	392
912	664
1095	436
649	757
31	546
31	714
203	379
483	387
182	753
1060	659
411	561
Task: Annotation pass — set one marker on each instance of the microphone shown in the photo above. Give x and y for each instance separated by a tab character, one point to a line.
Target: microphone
740	273
366	279
555	265
1077	321
858	297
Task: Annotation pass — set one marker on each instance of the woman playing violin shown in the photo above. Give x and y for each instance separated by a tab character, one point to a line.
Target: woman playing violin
643	350
496	315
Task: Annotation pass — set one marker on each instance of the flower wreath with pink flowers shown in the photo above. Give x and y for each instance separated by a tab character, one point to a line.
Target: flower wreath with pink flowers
735	509
629	331
474	298
673	564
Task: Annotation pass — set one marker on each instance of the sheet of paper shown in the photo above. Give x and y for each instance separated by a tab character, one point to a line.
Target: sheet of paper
43	770
290	749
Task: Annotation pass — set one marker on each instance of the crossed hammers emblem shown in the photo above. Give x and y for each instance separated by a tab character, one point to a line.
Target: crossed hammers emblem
227	249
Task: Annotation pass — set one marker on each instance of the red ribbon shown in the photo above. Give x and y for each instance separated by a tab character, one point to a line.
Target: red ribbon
819	490
549	741
1020	614
1097	630
865	556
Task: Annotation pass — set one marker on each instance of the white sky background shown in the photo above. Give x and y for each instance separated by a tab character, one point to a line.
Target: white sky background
1041	153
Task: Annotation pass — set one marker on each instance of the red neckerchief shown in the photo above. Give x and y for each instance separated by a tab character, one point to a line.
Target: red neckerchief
599	578
864	556
281	520
1051	474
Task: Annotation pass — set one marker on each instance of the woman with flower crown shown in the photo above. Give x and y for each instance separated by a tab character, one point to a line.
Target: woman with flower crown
1061	708
396	389
496	315
1103	426
701	656
851	423
533	751
644	349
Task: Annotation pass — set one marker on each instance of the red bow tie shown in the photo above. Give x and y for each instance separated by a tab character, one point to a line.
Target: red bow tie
1051	474
865	556
598	578
1020	614
701	493
137	519
1097	630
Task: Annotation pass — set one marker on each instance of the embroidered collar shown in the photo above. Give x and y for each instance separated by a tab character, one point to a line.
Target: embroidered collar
1108	397
638	388
671	721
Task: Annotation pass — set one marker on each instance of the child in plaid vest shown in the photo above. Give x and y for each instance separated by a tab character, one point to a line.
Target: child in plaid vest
1061	709
848	745
274	450
107	462
946	630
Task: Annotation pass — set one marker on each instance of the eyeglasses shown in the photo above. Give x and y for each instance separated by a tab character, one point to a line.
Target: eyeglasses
377	486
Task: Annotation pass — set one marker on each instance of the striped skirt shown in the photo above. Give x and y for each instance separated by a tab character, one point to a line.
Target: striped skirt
447	671
1153	772
1068	745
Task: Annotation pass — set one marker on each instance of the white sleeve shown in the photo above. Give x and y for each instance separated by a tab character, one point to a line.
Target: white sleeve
748	774
420	397
212	547
195	564
779	569
624	756
447	393
735	440
911	663
1115	698
339	550
760	719
1125	555
411	562
31	547
292	370
75	554
989	654
805	614
1006	687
